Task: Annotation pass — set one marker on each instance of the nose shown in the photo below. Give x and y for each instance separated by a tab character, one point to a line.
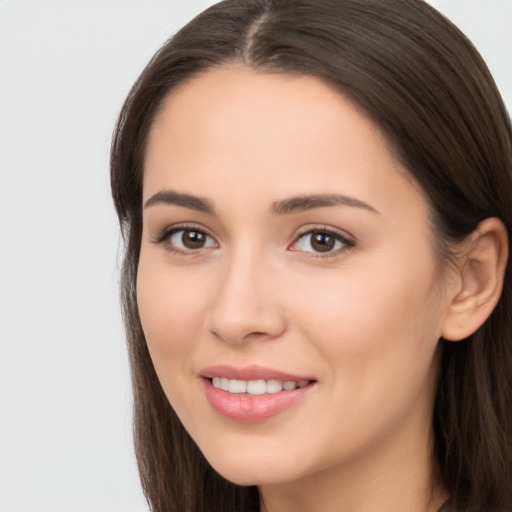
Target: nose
246	305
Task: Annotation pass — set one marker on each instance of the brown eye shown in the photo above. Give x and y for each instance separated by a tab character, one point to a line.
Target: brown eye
190	239
193	239
321	241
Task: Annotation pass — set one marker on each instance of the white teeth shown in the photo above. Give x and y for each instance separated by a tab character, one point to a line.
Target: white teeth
289	385
256	387
274	386
237	386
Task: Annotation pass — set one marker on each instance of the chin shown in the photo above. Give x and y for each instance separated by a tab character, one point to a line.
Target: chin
244	476
243	471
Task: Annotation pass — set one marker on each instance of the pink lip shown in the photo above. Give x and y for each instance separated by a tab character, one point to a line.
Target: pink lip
252	372
246	408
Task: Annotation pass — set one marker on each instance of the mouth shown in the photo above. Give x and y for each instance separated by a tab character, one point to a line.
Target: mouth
256	387
253	394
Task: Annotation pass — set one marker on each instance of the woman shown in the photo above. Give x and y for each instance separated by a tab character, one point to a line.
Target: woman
315	198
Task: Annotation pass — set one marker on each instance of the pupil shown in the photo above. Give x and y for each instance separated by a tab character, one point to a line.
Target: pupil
193	239
322	242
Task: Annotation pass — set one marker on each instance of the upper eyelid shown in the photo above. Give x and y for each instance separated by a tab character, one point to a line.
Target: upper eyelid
327	229
166	232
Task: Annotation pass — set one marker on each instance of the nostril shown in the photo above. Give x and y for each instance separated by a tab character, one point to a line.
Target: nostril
254	335
242	310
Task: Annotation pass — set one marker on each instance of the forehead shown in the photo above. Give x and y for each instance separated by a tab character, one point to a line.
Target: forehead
274	135
242	98
241	85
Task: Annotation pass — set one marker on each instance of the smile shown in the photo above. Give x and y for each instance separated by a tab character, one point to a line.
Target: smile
256	387
253	394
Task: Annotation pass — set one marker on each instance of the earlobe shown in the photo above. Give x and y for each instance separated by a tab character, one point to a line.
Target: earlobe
480	280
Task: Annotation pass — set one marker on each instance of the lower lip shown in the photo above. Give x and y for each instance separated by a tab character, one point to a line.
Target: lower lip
246	408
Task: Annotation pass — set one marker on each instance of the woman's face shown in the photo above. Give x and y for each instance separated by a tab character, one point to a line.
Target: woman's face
287	257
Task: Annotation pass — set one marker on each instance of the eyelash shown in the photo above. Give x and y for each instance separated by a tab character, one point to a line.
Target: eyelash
346	242
166	234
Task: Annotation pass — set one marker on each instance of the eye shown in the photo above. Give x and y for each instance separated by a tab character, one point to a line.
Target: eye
322	241
191	239
184	240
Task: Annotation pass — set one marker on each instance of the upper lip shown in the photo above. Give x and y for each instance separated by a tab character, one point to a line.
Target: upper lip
252	372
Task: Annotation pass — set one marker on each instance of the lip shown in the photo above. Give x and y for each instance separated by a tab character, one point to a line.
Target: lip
245	408
252	372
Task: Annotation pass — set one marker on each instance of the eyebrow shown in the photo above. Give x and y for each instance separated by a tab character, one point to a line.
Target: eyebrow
186	200
284	207
310	202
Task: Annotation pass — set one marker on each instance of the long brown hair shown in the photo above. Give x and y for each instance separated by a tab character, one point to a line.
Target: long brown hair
425	85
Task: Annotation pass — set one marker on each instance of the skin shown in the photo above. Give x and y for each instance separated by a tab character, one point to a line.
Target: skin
363	320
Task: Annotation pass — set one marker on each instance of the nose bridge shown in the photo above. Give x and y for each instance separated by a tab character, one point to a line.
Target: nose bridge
245	304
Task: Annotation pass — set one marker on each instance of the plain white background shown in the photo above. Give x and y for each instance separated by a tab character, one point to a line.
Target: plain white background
65	406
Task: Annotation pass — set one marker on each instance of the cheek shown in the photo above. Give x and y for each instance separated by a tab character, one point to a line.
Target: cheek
171	312
378	334
172	316
374	326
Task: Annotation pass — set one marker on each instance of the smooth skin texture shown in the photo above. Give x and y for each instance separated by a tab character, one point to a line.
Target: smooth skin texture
362	318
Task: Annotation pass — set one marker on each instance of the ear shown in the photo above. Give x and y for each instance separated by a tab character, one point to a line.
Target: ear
479	280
